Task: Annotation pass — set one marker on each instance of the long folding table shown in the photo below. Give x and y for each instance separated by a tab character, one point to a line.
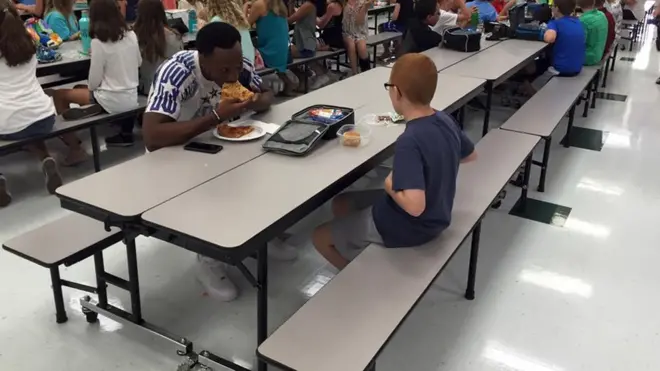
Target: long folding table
264	197
120	195
496	64
72	59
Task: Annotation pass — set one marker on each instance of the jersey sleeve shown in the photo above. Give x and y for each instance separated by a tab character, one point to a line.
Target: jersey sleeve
171	86
249	77
408	169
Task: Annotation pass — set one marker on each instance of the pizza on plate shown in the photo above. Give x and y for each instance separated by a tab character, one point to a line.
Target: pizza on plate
235	90
234	131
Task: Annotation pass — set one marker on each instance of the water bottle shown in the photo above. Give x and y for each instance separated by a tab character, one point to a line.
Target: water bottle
84	32
192	21
474	20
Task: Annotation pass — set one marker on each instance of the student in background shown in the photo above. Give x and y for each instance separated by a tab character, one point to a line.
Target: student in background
228	11
403	12
331	24
567	37
356	33
420	36
416	203
611	26
157	42
34	7
448	19
270	18
199	6
614	7
486	10
304	32
27	111
595	28
113	72
60	18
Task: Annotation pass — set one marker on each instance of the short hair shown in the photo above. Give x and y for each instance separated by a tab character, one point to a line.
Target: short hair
425	8
584	4
415	76
106	23
216	35
16	44
566	7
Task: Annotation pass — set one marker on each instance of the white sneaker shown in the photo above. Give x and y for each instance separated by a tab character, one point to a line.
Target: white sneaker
278	249
320	82
211	274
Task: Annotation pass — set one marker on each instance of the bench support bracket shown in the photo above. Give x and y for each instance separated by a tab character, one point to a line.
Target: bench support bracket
474	254
489	98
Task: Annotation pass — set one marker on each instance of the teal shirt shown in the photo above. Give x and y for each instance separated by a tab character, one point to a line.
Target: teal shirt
595	30
58	23
246	41
273	39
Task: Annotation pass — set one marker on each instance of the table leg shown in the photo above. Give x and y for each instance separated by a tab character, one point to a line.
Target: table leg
474	254
133	281
60	311
525	186
571	116
595	88
262	301
544	164
376	23
489	98
96	151
101	286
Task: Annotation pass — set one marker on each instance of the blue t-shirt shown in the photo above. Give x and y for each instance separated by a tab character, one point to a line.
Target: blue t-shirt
64	28
569	49
487	12
426	157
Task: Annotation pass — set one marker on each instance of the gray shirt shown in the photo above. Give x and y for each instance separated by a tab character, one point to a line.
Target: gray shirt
304	34
173	44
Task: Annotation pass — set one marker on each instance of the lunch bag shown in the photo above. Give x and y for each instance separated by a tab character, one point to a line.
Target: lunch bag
462	40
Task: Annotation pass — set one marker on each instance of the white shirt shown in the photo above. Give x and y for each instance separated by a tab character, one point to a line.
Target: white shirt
181	92
637	9
22	101
113	73
445	20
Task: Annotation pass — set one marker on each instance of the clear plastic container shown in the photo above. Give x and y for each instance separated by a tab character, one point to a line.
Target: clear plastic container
354	135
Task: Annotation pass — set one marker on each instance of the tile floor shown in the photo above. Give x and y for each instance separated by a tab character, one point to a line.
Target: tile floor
580	297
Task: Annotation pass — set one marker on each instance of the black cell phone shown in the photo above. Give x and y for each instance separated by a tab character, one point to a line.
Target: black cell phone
203	147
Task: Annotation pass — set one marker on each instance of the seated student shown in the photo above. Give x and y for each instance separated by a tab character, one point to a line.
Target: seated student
113	72
330	24
229	12
181	107
595	29
402	13
416	203
611	26
157	42
60	18
448	19
26	111
633	10
566	34
270	17
356	33
419	36
486	10
199	6
304	32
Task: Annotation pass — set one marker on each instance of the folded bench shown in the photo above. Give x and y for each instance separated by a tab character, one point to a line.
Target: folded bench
347	323
65	241
541	114
63	126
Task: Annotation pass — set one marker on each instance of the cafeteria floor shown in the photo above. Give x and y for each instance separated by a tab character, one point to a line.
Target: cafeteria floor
581	296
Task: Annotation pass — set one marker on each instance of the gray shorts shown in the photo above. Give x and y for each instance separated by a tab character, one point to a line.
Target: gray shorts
354	232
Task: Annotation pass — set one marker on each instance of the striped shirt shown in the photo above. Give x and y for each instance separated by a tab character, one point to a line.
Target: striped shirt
180	91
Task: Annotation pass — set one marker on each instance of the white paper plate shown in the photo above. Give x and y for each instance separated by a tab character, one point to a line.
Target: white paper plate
258	132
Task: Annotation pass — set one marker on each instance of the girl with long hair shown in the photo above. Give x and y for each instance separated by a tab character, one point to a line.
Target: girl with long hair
60	18
228	11
157	42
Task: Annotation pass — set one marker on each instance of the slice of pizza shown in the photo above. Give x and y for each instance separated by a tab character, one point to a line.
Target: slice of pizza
235	90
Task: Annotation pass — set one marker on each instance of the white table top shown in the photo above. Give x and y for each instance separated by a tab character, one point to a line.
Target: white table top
232	209
444	58
390	279
496	62
133	187
70	51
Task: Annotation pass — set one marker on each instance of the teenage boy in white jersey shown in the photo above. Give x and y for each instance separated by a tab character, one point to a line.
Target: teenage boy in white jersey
185	101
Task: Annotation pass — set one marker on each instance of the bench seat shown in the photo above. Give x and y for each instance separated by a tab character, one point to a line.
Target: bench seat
65	241
346	324
541	114
381	38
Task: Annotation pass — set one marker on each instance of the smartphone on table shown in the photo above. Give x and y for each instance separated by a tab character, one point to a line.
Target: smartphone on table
203	147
